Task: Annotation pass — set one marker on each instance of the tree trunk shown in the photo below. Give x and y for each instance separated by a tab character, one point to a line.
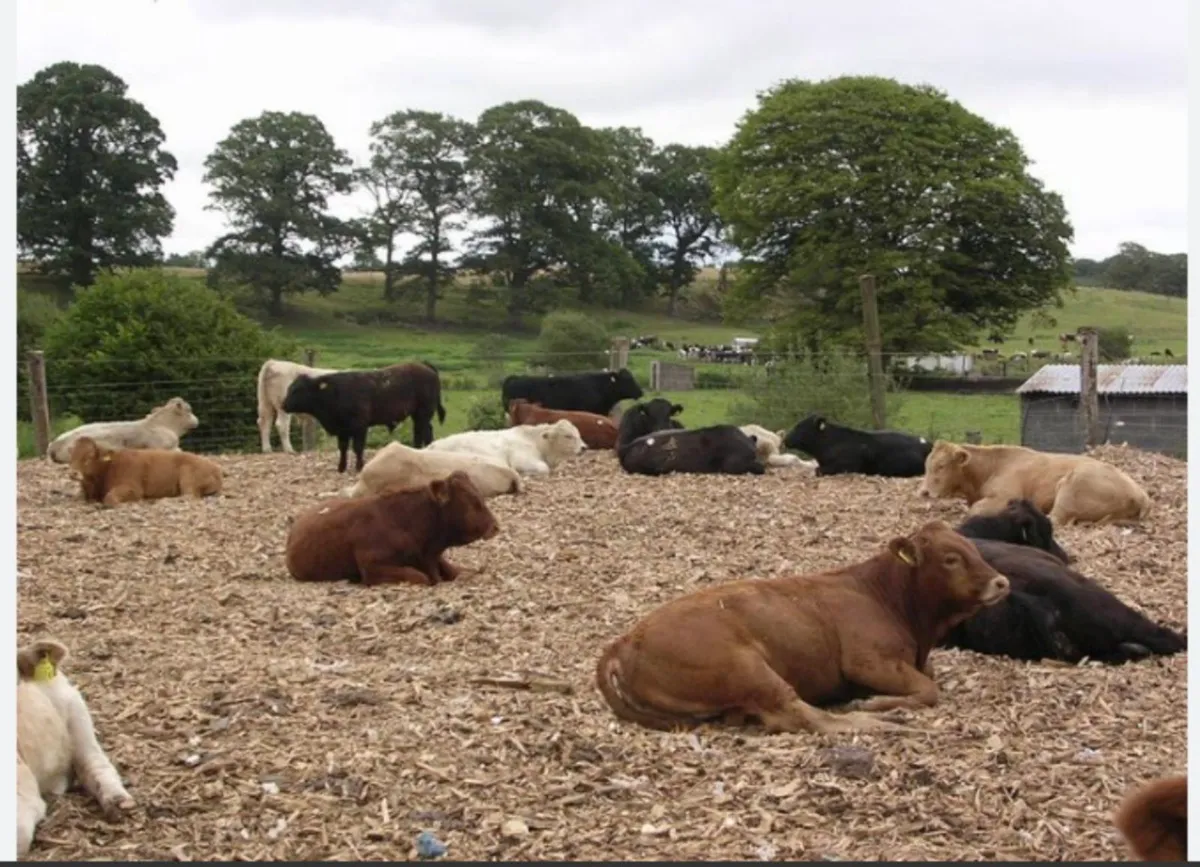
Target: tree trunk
276	303
432	289
389	278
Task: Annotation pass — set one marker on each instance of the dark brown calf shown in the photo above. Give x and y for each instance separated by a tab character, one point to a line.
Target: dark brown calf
598	431
772	649
389	538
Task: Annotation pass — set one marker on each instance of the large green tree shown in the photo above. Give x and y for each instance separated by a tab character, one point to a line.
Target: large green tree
423	157
1134	267
629	212
680	180
824	181
272	178
90	171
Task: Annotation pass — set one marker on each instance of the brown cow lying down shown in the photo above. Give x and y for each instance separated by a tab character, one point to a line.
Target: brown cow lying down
598	431
56	742
397	466
774	648
1068	488
1153	820
389	538
111	476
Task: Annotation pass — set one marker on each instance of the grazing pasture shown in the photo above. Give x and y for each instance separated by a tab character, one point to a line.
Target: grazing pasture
254	717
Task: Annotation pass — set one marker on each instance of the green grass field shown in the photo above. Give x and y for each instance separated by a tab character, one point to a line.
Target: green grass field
356	328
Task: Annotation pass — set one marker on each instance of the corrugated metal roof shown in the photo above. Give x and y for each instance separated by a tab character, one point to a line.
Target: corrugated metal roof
1113	379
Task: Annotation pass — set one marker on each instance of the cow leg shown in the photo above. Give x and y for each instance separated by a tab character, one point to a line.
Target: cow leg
988	506
360	444
93	768
446	572
283	423
901	685
343	447
120	494
379	573
264	428
31	807
422	430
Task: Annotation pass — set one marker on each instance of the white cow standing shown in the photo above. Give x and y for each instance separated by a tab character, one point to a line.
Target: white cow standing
274	379
530	449
56	742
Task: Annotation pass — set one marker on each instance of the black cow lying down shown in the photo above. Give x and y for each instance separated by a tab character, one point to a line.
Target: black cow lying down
595	392
840	449
1021	523
651	443
1053	612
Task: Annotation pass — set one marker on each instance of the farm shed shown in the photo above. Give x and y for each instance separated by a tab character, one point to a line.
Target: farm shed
1142	405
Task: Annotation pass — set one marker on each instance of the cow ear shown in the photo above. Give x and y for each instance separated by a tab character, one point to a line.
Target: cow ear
782	434
440	489
323	385
904	550
961	456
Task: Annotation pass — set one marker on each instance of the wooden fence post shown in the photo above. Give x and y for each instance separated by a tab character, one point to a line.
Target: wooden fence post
874	350
618	355
1089	385
974	437
308	425
39	403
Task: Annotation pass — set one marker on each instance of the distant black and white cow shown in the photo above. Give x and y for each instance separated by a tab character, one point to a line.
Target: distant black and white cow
840	449
584	392
651	443
1053	612
1020	523
350	402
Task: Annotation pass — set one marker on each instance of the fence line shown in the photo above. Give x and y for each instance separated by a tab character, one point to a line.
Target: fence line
63	391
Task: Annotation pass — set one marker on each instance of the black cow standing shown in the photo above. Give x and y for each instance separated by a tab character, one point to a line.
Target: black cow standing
1021	523
840	449
584	392
651	443
1053	612
350	402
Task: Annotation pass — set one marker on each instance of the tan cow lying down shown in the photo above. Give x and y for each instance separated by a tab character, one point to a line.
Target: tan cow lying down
128	475
1068	488
274	379
1153	820
769	447
397	466
774	648
161	429
56	743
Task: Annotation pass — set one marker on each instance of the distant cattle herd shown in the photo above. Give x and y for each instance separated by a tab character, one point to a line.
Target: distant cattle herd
760	650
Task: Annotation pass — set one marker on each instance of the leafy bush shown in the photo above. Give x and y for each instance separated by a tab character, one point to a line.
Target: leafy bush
486	414
134	339
835	385
571	341
1114	344
36	312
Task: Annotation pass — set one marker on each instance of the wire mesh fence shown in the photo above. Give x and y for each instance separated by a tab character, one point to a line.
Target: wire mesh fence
937	397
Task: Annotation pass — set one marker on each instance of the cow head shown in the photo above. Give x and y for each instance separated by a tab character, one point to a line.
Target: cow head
88	458
29	656
808	434
465	516
518	411
952	580
560	441
175	414
1034	527
307	393
623	386
1153	819
646	418
944	468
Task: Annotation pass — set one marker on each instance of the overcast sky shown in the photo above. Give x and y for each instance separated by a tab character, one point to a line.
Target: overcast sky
1096	90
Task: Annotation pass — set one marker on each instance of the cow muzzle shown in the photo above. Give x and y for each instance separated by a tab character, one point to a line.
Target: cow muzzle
492	531
924	492
996	590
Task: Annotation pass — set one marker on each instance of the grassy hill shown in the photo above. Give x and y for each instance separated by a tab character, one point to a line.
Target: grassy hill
355	327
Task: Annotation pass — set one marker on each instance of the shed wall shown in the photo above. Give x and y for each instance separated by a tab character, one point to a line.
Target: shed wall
1154	422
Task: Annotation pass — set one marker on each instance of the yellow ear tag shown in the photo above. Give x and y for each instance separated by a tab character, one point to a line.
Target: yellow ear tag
44	670
903	555
106	459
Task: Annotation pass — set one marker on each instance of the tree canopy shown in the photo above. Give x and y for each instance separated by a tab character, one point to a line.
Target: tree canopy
824	181
272	178
90	170
1135	268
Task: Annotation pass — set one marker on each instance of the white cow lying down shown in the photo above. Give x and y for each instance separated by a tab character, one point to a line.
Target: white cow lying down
160	429
770	448
56	743
274	379
399	466
533	449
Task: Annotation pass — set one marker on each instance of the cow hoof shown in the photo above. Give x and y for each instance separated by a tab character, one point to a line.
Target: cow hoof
115	808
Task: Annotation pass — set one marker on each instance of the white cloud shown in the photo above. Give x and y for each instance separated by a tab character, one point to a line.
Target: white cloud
1096	90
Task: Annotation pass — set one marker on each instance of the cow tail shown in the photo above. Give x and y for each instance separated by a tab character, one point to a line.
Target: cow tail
437	394
610	676
441	410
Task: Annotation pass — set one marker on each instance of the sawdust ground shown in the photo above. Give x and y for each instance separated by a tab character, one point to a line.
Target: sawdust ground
256	718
